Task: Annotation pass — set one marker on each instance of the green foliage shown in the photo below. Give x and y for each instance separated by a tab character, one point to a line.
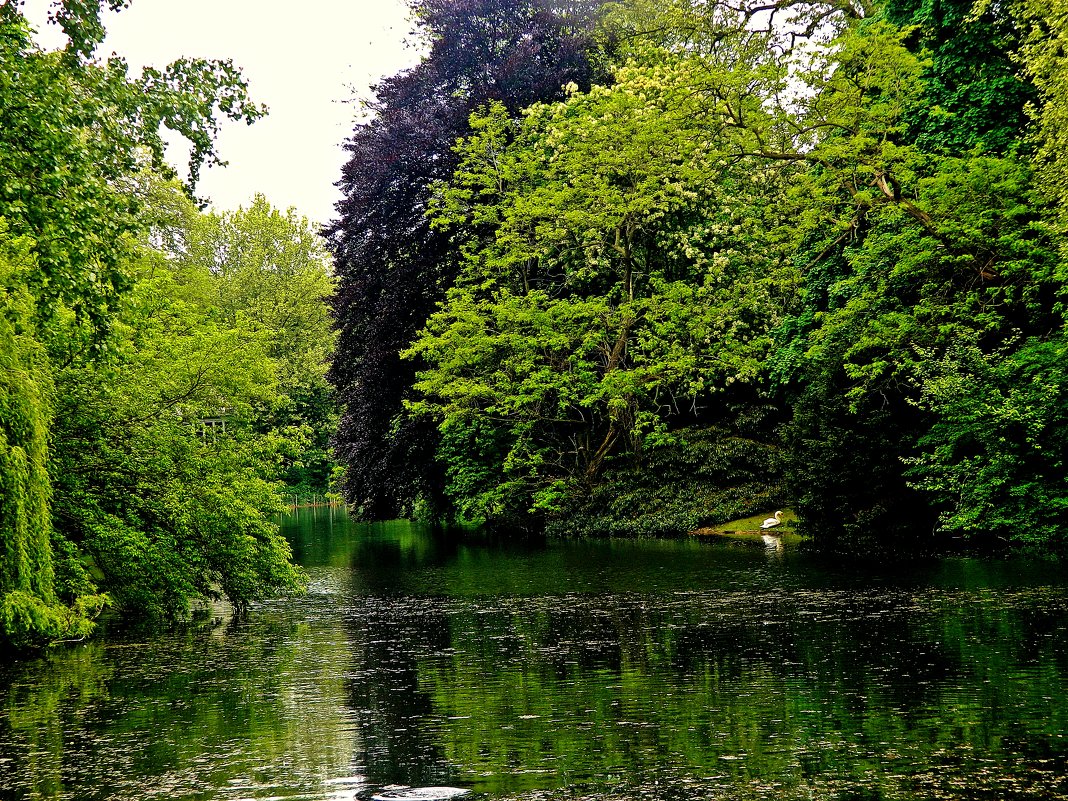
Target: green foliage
270	272
976	266
28	621
813	215
31	611
963	253
694	478
113	356
974	91
834	220
1044	61
25	410
995	456
614	288
171	508
165	508
72	133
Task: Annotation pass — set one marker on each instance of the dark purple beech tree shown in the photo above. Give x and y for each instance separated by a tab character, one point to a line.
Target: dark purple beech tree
392	268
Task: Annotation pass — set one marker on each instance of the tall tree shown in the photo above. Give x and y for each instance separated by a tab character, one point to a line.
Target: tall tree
956	255
994	451
392	267
32	608
908	250
74	132
615	293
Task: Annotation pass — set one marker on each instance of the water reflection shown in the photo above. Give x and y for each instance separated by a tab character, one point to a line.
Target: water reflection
248	710
602	670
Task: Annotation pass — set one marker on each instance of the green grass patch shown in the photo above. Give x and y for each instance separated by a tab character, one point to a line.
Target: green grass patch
748	528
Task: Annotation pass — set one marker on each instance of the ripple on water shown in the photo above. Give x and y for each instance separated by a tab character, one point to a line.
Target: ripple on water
724	682
418	793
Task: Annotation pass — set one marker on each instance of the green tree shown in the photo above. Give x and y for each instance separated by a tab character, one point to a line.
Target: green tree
1044	62
159	473
270	270
31	609
640	234
614	292
75	135
975	92
73	131
805	210
994	459
925	250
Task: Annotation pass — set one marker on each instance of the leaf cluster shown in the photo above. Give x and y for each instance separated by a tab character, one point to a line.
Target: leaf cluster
74	131
162	369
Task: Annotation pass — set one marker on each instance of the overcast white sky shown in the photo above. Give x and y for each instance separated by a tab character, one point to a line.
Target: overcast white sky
304	60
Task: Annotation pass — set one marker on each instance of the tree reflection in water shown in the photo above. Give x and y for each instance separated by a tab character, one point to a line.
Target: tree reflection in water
603	670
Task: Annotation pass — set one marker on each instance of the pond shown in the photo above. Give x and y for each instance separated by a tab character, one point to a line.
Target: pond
596	670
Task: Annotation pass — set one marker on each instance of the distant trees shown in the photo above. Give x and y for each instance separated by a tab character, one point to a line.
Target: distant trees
270	271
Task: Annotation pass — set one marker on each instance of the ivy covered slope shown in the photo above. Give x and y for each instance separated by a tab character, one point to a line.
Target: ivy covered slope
150	396
811	256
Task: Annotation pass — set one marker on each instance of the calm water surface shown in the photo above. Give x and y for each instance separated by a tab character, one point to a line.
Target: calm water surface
577	670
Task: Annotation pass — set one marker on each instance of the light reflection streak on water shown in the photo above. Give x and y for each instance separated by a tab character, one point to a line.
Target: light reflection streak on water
602	670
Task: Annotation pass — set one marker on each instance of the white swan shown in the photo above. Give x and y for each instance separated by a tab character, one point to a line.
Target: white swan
771	522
